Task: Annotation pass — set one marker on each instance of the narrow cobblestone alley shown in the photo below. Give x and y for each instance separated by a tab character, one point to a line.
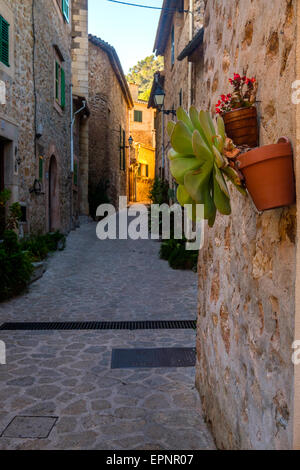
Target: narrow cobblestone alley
68	375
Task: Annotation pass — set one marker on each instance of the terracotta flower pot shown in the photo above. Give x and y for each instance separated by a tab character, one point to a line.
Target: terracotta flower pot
241	126
269	175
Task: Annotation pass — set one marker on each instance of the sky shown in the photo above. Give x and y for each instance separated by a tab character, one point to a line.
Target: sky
131	30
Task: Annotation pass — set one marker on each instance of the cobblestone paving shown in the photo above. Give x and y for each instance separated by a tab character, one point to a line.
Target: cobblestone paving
68	375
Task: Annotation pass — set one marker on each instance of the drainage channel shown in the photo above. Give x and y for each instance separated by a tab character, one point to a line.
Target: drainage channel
121	325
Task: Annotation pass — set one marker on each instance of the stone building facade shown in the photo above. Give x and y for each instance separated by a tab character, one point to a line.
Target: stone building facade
110	102
35	120
248	312
142	131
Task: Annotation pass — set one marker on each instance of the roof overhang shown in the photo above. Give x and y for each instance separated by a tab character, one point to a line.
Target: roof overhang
192	46
164	26
116	65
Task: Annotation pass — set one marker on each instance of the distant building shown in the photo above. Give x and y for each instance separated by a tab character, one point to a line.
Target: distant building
142	130
110	103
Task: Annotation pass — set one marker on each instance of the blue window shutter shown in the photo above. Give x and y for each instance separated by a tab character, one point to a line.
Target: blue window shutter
66	10
63	89
4	41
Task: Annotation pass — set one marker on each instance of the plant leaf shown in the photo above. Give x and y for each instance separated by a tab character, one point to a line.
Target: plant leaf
183	196
201	151
184	117
170	127
181	139
220	179
180	166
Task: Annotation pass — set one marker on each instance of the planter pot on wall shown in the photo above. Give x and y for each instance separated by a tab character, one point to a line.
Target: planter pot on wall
269	175
241	126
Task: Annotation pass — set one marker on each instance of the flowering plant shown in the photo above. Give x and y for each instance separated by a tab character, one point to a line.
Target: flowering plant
243	96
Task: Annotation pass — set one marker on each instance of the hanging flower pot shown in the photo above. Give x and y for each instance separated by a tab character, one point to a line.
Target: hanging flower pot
238	112
269	175
241	126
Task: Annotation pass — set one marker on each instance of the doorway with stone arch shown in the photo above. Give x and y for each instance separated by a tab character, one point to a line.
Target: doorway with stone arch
53	197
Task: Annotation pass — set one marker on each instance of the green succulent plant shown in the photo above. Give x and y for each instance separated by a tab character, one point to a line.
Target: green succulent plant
199	164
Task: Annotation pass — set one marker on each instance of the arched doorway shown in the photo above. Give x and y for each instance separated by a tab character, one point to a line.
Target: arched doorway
53	196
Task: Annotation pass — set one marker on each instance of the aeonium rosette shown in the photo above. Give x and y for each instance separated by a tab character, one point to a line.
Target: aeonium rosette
200	162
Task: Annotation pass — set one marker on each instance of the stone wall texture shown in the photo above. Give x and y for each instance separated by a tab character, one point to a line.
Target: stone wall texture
245	374
247	265
51	30
109	111
38	26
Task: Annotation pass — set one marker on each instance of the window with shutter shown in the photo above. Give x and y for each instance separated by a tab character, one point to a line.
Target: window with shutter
124	151
63	89
75	173
138	116
121	148
173	46
41	168
66	10
4	41
57	74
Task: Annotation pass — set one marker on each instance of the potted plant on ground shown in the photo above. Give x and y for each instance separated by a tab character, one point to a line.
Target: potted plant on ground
269	174
239	112
199	163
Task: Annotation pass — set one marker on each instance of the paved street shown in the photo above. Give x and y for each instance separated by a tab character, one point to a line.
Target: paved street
67	374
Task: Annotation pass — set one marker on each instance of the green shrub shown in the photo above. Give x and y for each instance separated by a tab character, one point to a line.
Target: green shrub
15	266
175	253
159	192
39	246
181	258
53	241
167	248
36	247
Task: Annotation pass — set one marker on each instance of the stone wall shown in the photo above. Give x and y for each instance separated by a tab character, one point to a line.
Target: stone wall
109	111
247	265
17	115
52	37
36	28
80	80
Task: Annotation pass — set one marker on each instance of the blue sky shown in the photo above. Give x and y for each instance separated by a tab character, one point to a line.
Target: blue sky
131	30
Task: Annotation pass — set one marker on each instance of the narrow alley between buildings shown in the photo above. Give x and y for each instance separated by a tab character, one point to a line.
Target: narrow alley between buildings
65	379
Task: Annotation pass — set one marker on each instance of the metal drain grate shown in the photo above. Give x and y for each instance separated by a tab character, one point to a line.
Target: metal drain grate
154	358
121	325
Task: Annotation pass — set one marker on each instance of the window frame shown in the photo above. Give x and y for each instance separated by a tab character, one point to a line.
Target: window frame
59	82
138	112
172	46
6	41
65	8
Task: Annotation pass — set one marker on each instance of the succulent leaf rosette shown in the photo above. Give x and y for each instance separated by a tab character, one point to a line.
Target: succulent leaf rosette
199	163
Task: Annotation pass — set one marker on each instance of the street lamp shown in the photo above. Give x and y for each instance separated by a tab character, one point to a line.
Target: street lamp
159	99
130	140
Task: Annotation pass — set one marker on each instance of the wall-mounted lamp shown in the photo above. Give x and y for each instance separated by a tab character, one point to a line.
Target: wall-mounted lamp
159	99
36	188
